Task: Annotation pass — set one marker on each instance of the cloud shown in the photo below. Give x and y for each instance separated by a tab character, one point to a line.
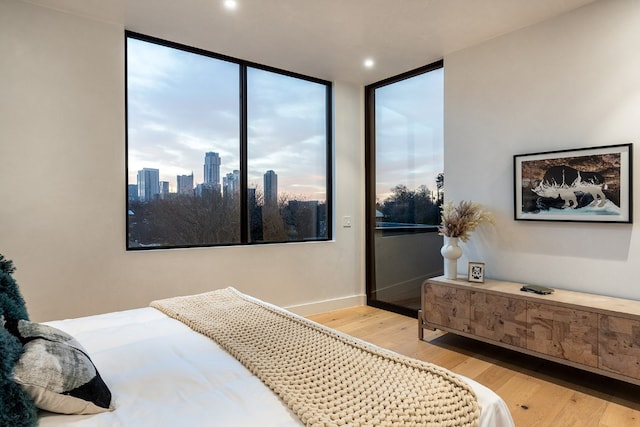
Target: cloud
182	105
409	133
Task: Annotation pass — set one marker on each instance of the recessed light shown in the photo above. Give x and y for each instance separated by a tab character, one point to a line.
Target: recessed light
230	4
369	63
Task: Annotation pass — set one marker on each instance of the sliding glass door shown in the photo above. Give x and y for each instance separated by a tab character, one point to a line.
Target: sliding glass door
405	185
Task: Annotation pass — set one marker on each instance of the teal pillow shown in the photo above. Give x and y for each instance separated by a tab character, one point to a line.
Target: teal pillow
12	304
16	407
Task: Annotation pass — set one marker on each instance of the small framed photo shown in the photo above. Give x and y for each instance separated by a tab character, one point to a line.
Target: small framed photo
476	272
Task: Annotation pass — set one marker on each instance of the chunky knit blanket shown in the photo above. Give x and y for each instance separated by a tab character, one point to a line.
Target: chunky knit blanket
327	378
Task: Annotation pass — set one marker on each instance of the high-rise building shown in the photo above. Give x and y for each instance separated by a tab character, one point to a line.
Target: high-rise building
270	188
148	184
185	184
231	183
164	189
132	192
212	170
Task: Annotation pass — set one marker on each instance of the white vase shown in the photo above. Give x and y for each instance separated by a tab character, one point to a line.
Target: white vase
451	252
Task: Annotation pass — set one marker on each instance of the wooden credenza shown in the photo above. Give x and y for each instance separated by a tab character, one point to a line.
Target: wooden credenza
592	332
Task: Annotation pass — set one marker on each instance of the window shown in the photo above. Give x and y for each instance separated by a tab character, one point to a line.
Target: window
405	186
223	152
409	150
286	156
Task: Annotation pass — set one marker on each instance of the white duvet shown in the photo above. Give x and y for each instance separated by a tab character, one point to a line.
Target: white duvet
161	373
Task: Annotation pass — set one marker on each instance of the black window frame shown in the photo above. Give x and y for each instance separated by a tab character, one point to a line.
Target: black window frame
243	135
370	185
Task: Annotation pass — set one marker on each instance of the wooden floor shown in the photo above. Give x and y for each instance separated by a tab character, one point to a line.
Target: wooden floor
538	392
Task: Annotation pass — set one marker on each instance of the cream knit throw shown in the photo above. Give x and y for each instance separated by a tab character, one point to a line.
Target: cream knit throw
327	378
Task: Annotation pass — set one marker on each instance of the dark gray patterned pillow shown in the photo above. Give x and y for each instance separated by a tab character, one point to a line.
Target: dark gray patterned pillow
56	371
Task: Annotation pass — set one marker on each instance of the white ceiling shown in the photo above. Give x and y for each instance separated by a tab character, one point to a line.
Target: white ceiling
327	39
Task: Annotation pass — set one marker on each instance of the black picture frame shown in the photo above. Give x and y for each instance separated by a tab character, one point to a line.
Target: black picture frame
476	272
582	185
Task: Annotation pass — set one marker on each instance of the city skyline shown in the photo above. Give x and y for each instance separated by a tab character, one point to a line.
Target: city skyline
148	183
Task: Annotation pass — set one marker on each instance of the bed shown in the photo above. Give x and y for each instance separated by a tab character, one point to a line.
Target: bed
161	372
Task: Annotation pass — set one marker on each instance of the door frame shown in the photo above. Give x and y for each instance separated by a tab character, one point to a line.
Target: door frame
370	185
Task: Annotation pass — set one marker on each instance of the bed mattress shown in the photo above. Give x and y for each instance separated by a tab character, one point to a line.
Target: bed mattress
162	373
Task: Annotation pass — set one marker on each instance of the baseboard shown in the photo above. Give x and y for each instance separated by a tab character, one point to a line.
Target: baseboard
328	305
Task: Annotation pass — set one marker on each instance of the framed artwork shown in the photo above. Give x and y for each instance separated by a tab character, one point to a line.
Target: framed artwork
586	185
476	272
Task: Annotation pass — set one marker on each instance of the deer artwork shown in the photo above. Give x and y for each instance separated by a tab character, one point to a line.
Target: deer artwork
554	185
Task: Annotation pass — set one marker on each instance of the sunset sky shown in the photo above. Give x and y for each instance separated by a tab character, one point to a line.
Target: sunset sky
409	133
182	105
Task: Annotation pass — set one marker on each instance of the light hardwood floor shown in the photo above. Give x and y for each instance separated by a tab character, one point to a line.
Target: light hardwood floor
538	392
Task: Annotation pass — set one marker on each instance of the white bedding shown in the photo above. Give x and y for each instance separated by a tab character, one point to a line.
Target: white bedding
161	373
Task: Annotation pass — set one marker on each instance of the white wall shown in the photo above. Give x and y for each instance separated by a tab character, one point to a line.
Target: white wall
570	82
62	196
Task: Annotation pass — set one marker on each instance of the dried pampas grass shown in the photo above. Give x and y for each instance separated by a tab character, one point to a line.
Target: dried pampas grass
459	221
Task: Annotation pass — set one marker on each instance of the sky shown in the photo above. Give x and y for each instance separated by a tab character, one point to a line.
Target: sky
409	133
181	105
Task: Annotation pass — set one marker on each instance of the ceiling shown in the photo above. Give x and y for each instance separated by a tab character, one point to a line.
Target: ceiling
327	39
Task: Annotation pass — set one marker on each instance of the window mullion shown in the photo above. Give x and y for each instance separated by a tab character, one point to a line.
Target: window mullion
244	192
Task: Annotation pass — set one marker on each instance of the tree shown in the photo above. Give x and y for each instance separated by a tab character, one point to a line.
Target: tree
410	206
185	221
210	218
440	187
